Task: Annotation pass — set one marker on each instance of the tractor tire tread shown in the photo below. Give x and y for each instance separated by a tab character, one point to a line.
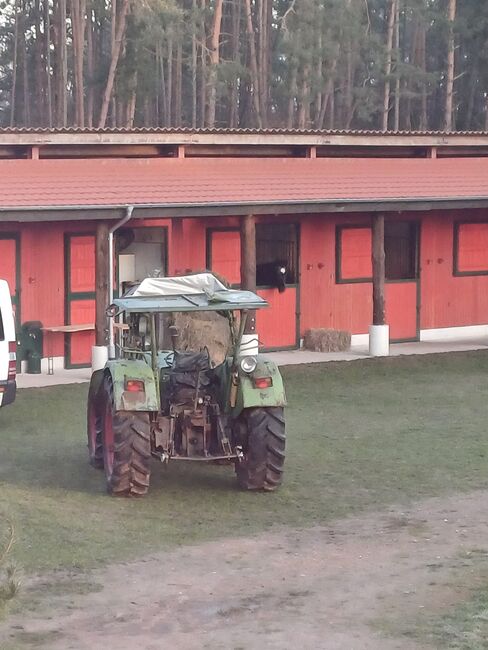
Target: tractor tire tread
132	452
262	468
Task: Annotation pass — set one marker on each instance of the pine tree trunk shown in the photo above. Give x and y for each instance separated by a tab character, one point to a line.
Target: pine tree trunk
203	64
292	91
109	86
253	64
25	71
304	104
179	83
194	66
448	109
214	62
78	22
90	68
169	80
234	94
39	94
49	93
396	125
13	92
62	67
389	47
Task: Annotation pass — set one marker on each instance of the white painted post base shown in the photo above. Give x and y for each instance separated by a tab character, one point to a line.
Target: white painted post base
249	345
99	357
379	340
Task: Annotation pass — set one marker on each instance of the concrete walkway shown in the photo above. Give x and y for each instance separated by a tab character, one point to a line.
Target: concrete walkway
292	357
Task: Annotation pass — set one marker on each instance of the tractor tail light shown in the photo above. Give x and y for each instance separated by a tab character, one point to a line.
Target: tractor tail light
134	386
262	382
12	359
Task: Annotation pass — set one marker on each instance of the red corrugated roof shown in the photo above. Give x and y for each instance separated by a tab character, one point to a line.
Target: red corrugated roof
227	131
43	183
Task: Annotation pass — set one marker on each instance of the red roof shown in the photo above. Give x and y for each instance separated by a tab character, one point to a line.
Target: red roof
209	181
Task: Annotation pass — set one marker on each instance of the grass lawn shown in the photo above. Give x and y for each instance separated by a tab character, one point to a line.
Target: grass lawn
360	435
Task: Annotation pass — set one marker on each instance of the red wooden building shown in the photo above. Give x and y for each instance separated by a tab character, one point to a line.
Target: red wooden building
313	195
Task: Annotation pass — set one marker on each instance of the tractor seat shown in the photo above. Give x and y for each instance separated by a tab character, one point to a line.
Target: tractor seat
189	371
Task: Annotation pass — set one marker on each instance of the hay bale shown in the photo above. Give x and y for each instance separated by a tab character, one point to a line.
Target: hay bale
327	340
202	330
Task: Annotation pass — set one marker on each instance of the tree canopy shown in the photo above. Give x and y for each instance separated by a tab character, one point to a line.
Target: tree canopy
334	64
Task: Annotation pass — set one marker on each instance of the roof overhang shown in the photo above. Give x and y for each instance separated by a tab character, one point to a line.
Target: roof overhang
179	211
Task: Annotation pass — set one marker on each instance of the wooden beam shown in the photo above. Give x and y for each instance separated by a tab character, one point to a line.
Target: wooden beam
101	283
378	259
248	264
229	137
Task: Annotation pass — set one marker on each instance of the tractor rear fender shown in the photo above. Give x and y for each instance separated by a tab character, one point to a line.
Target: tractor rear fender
250	394
121	371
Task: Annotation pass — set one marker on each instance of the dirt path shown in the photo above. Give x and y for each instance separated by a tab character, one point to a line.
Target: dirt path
318	588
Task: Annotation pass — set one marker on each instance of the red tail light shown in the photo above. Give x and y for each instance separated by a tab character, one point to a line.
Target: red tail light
134	386
262	382
12	359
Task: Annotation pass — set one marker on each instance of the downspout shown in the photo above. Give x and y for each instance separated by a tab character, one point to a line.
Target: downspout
128	214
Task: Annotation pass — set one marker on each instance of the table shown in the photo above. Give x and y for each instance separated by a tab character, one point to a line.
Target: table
67	329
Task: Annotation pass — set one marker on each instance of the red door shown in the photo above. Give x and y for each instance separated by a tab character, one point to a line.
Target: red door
10	265
80	298
224	254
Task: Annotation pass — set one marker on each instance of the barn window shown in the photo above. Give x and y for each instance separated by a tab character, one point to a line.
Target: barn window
276	249
470	248
400	250
353	254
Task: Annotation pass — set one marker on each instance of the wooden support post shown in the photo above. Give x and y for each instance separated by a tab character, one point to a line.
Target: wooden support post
248	263
378	259
101	283
177	257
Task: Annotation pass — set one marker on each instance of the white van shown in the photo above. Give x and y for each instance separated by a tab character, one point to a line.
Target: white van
8	347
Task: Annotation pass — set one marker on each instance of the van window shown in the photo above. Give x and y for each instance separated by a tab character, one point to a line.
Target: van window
2	335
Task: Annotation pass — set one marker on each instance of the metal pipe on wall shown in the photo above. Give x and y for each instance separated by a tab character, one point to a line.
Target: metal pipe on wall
116	226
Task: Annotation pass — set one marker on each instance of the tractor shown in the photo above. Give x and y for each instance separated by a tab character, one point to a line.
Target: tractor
157	400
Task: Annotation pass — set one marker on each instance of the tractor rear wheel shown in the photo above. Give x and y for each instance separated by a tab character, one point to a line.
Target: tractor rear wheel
94	427
126	448
264	449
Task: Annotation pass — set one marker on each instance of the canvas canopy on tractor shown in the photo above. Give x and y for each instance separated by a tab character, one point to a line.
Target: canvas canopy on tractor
177	403
199	292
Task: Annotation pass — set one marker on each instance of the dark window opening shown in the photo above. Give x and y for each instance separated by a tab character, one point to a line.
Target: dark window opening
2	334
400	250
276	255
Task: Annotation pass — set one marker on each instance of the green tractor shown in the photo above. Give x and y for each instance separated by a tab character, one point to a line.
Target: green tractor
177	403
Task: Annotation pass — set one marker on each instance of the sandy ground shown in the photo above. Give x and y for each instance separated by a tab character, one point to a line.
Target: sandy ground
324	587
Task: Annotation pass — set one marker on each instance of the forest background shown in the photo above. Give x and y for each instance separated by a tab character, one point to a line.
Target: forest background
321	64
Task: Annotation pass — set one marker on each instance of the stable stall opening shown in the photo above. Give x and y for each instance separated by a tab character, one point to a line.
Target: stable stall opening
277	246
276	255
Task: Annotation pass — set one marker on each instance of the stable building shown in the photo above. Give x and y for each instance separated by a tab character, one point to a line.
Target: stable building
336	230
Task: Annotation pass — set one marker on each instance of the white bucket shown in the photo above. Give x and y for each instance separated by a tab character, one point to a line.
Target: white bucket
249	345
99	357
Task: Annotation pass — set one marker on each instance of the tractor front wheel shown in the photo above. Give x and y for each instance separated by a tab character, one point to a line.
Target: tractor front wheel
264	449
126	448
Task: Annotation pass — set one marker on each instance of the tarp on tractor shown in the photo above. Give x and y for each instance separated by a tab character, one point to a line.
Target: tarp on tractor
198	292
